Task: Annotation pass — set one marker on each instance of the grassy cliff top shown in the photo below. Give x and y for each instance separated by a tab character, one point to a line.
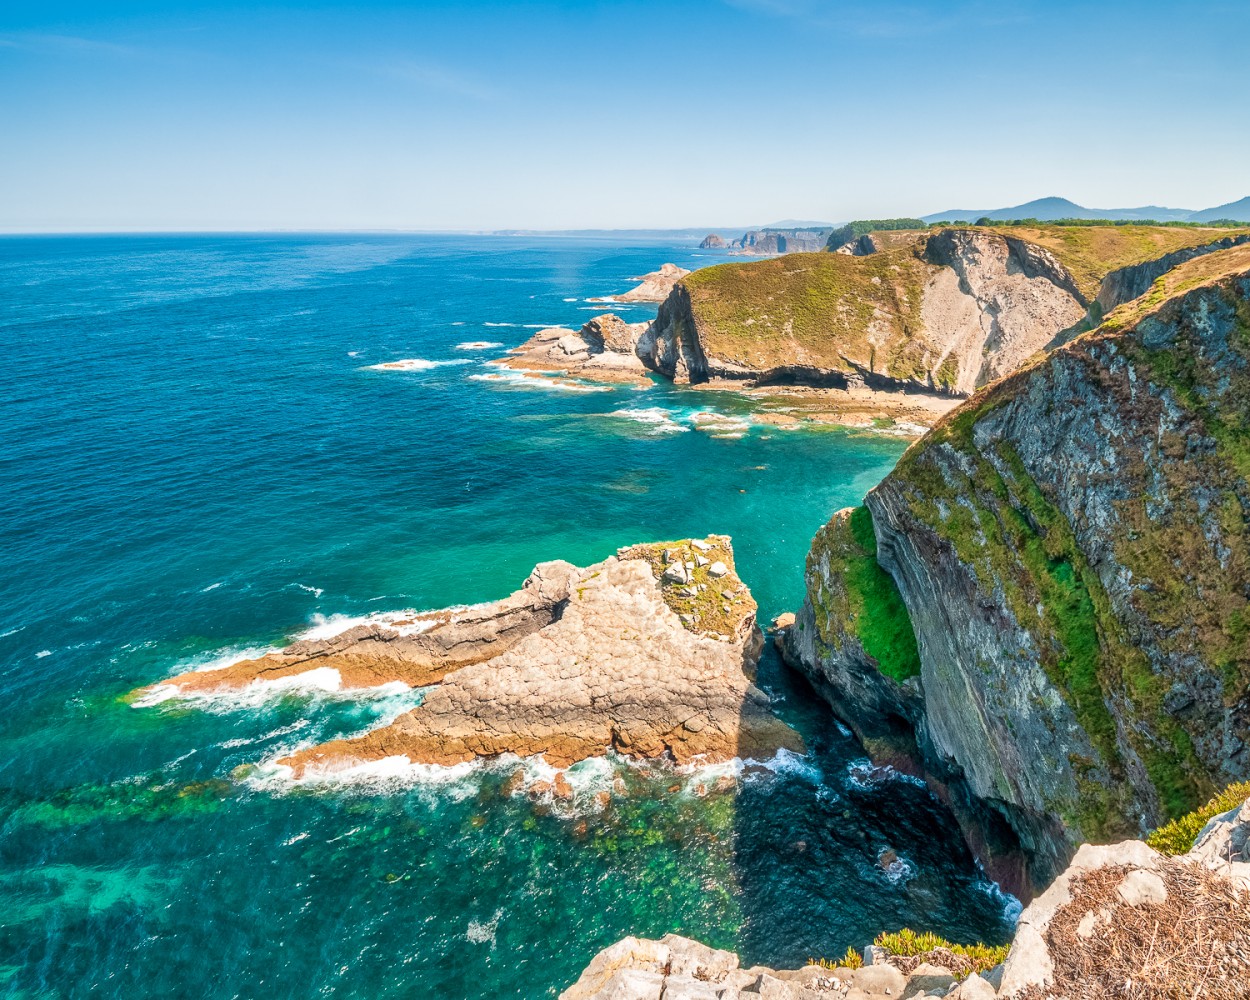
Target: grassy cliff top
810	308
1093	252
1192	274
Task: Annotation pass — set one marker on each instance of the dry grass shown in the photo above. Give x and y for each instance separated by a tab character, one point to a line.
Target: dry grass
816	309
1193	946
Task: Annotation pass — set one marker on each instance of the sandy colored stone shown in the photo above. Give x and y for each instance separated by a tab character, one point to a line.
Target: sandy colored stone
601	351
654	286
394	650
613	667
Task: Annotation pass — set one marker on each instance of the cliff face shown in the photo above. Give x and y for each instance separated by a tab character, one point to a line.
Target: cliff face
945	314
779	241
1131	282
1071	547
946	311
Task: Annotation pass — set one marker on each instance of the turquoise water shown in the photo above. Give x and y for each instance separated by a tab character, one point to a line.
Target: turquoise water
197	460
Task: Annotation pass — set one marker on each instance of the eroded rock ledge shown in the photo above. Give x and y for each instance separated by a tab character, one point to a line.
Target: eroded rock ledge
650	653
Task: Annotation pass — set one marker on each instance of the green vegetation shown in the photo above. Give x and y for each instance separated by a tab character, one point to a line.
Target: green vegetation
961	959
908	944
855	595
851	960
1091	251
1178	836
985	220
854	230
707	605
825	310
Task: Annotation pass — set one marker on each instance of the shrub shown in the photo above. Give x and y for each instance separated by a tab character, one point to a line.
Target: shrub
1178	836
906	943
861	227
851	960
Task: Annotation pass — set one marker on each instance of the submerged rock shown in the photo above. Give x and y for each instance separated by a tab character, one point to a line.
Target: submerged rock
577	662
1122	920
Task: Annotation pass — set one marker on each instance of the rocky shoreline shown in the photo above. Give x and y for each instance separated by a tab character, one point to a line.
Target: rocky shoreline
1122	920
650	653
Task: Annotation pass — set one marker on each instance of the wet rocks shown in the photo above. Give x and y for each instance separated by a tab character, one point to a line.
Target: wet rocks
599	658
603	350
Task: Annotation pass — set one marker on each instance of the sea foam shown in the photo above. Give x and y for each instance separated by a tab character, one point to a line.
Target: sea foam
415	365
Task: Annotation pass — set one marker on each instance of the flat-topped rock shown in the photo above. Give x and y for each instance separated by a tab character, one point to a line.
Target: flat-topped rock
576	662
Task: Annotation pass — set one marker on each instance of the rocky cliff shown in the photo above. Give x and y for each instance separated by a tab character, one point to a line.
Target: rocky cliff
766	242
1071	549
945	311
649	653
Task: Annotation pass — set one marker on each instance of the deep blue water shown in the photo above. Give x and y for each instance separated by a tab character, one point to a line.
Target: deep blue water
197	459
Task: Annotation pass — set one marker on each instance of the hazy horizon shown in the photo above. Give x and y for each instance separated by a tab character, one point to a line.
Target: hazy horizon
147	117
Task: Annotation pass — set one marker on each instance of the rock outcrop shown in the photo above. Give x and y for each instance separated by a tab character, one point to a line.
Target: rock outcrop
603	350
654	288
943	311
713	242
1121	920
768	242
1071	547
649	653
1125	918
677	968
939	314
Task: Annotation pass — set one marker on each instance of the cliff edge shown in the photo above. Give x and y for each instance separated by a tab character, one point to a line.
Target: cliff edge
1070	547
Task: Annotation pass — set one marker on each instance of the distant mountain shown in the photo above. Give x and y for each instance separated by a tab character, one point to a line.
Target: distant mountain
1061	208
1238	210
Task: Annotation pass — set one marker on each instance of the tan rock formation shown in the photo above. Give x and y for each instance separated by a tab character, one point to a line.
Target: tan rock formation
602	351
654	288
646	653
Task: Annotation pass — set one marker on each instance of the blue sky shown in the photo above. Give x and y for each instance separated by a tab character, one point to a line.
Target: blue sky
643	114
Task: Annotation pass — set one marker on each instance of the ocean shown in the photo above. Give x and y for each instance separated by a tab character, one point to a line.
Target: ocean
198	459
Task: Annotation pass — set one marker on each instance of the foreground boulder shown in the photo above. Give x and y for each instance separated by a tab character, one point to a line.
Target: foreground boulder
677	968
1071	551
650	653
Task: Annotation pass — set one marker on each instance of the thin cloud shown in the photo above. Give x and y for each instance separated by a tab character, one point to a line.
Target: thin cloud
885	20
432	77
44	44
